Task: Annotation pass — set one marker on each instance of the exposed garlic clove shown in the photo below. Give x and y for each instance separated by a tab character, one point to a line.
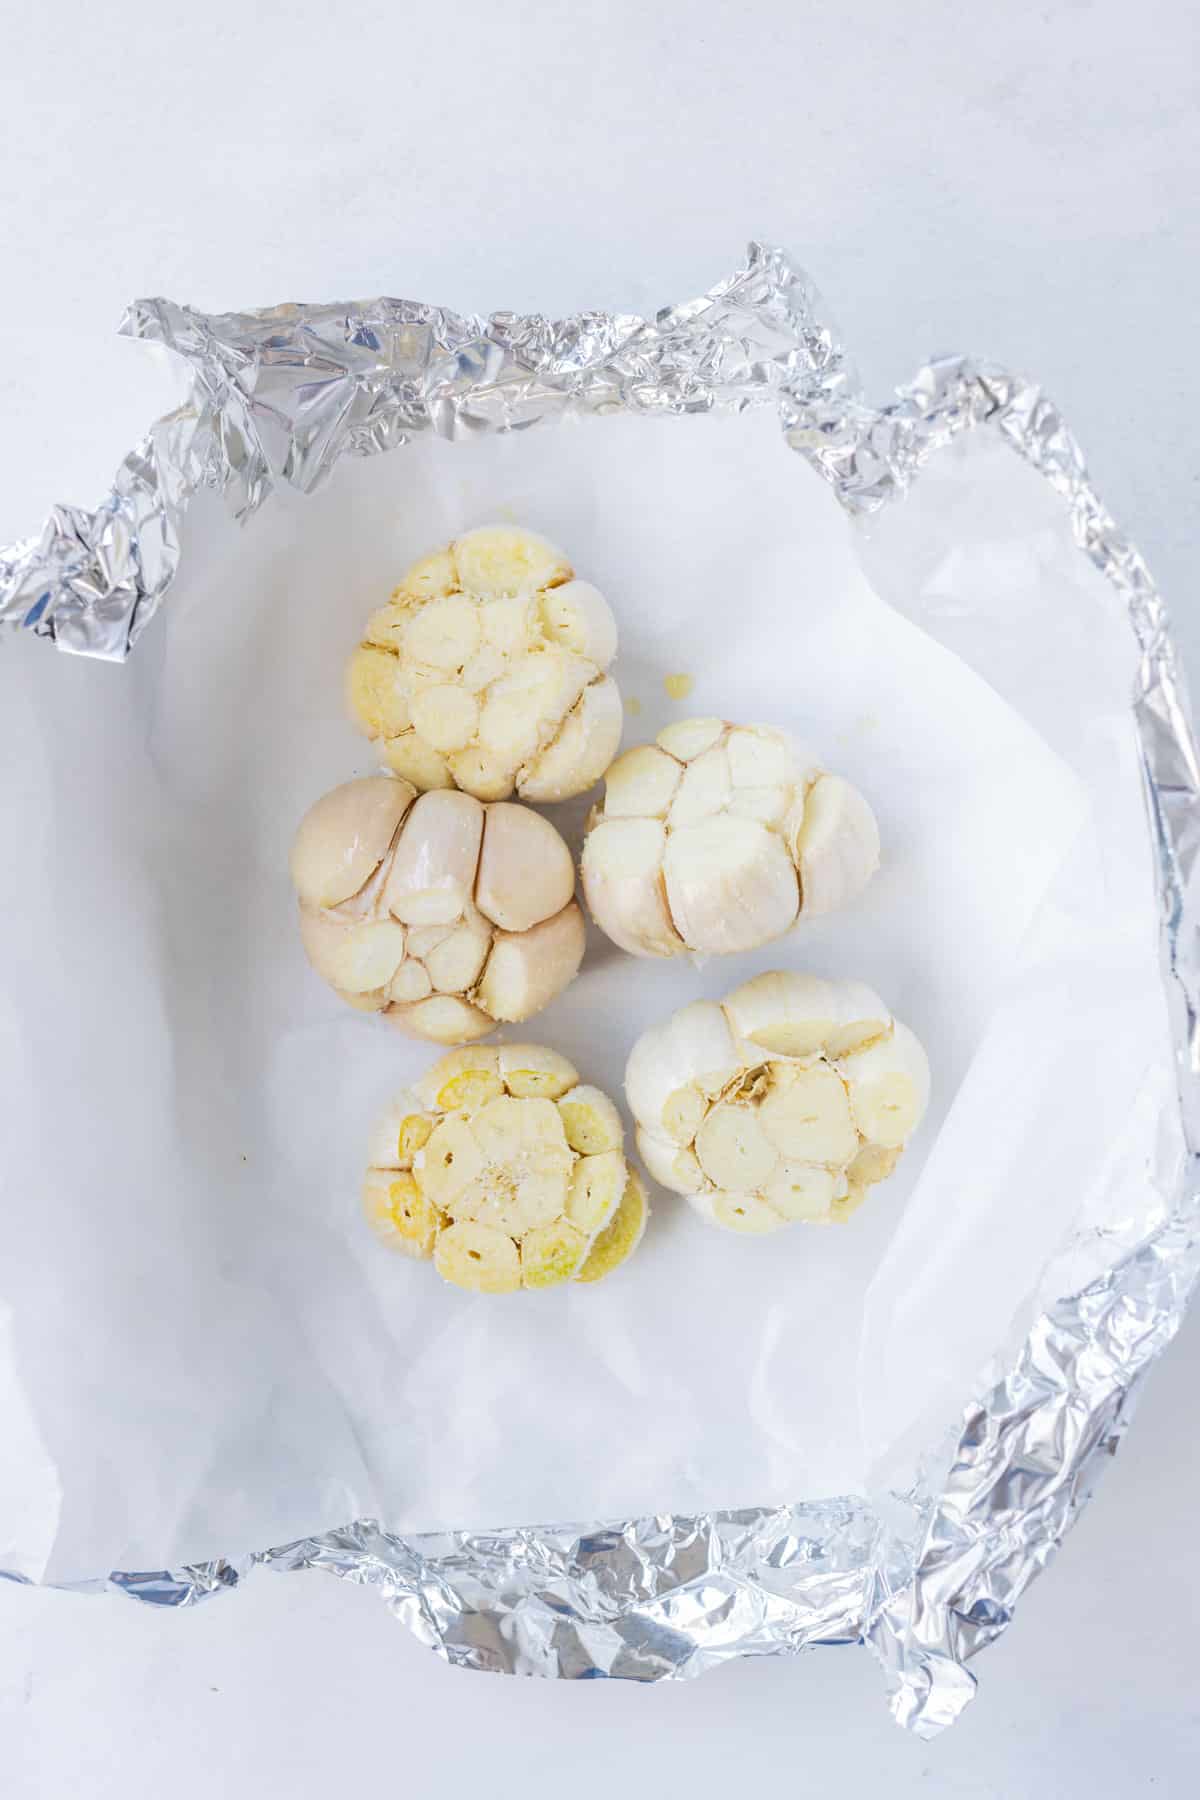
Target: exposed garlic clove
530	1071
797	1191
511	717
704	790
345	836
477	1258
591	1121
444	634
385	630
456	963
449	1162
508	626
375	692
807	1117
525	869
889	1087
836	845
424	938
527	969
689	738
507	1127
622	1235
398	1213
748	1213
873	1164
446	717
769	805
675	1167
641	784
486	666
683	1113
623	883
730	884
495	561
855	1034
443	1018
552	1254
399	1133
441	1085
477	773
429	577
526	707
410	757
357	958
597	1184
532	1200
759	758
797	1015
734	1149
434	864
579	618
694	1044
410	982
586	743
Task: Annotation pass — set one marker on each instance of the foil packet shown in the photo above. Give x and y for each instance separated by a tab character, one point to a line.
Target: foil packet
925	1574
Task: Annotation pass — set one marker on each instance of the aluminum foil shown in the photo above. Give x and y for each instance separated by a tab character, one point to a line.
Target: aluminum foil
926	1578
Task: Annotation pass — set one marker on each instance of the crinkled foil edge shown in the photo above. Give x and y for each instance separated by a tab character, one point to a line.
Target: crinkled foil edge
926	1578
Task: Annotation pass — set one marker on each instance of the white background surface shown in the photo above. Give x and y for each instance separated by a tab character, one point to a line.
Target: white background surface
1018	182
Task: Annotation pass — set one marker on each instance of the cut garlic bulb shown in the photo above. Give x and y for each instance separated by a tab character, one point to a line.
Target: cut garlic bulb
717	837
506	1170
446	915
486	671
787	1101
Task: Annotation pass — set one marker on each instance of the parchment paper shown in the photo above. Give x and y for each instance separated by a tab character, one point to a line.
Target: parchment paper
202	1349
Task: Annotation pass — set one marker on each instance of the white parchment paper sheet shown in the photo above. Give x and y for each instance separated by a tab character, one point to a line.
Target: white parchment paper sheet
206	1352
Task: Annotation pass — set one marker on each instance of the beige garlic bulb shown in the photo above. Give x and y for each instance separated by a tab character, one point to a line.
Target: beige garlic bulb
787	1101
508	1171
717	837
486	672
446	915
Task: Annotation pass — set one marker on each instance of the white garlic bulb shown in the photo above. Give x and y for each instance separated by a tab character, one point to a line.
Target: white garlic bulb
506	1170
787	1101
717	837
447	915
486	672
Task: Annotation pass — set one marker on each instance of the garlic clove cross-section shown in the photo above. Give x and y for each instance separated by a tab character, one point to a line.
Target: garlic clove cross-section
445	914
486	671
786	1102
507	1171
717	838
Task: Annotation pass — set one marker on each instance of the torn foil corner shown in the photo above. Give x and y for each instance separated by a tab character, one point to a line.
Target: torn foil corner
927	1578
